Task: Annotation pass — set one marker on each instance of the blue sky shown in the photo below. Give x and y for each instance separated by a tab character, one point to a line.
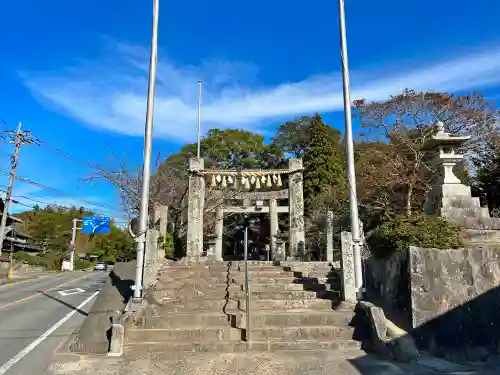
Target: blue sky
77	75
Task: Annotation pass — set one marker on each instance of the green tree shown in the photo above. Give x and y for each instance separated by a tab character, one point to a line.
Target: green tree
324	165
293	137
51	230
487	178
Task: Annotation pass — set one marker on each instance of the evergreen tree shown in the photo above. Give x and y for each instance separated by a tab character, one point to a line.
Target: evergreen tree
487	179
324	164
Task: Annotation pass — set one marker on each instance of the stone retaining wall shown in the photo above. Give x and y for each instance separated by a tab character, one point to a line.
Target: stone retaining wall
388	283
453	295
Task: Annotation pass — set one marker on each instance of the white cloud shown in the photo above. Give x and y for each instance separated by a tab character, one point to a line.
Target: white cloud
110	94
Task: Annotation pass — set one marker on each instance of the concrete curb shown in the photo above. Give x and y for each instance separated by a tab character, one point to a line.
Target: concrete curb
387	338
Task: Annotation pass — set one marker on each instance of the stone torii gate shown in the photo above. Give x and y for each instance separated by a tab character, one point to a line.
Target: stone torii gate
244	179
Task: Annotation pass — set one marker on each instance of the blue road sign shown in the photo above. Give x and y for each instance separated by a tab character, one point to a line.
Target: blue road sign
96	224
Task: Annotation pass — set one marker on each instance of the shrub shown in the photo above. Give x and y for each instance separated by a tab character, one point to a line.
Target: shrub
81	264
27	258
107	258
420	230
167	244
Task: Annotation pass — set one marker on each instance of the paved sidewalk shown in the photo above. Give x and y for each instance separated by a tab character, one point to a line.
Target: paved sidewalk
270	363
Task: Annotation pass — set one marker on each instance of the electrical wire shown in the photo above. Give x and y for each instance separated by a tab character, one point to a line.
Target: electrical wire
66	207
66	155
76	159
58	191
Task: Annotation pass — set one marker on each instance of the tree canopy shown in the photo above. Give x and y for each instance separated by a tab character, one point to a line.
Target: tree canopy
393	173
50	228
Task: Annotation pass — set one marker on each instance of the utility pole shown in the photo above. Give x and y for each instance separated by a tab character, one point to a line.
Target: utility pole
351	173
18	138
146	171
198	143
9	275
73	245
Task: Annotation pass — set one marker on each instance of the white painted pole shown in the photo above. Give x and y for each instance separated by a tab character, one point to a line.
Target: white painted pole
351	172
198	142
148	146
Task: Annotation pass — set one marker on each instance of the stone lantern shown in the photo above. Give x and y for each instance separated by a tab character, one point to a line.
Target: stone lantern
449	197
280	246
210	240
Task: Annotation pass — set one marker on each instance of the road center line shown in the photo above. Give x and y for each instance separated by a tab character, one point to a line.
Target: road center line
23	353
28	280
39	293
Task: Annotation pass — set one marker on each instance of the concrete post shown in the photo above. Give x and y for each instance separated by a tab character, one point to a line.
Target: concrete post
161	220
296	204
329	236
196	203
152	255
347	265
219	231
273	224
117	340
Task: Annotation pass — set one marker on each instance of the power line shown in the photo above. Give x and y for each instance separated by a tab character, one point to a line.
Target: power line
68	156
15	201
60	192
76	159
58	205
43	144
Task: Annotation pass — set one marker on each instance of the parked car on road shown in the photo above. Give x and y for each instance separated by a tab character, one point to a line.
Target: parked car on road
101	266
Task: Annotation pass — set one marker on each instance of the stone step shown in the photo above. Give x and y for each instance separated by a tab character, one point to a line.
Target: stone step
240	304
329	294
318	333
143	348
315	279
321	287
198	304
268	271
195	280
187	284
280	294
264	280
188	294
192	272
269	288
296	317
285	304
188	320
259	273
196	334
306	345
235	293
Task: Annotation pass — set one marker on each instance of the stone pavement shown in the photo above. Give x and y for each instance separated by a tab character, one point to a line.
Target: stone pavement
276	363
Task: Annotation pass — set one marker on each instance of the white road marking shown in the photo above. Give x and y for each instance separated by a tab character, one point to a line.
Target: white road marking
69	292
23	353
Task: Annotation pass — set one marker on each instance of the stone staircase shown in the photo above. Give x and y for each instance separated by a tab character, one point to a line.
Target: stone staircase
202	307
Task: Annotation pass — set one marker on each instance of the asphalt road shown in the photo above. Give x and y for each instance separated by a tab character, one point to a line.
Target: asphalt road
37	316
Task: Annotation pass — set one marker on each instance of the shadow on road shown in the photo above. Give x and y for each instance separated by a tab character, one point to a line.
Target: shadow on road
124	287
64	303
